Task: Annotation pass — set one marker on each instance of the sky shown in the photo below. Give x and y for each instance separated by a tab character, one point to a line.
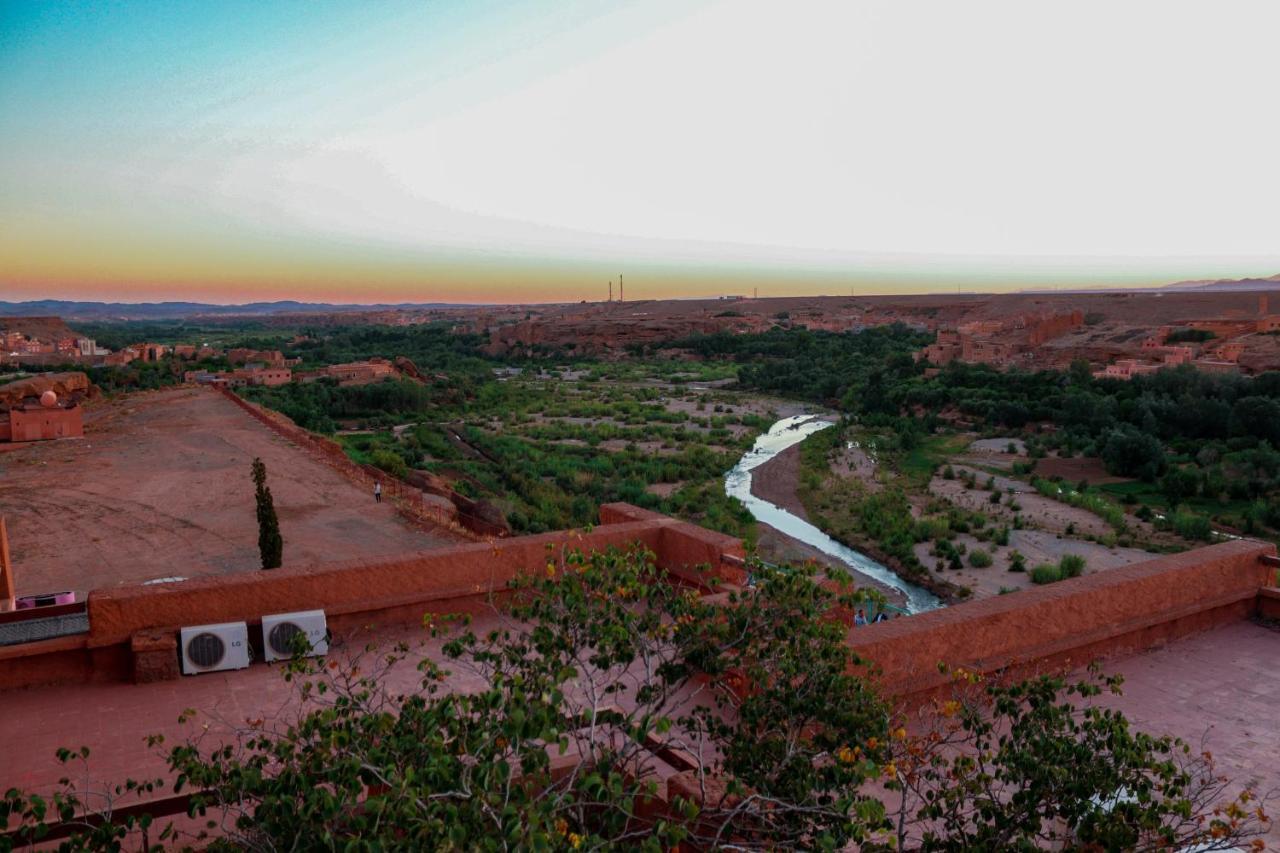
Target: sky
487	151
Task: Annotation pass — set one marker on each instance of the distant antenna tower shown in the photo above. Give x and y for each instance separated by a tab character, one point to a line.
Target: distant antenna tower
610	290
755	293
621	294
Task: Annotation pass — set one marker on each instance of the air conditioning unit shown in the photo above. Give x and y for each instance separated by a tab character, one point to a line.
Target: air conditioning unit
210	648
278	633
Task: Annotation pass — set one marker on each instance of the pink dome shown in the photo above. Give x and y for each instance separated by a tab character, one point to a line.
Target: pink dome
49	399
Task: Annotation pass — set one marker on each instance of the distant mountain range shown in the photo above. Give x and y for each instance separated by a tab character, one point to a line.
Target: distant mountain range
1227	284
107	311
177	310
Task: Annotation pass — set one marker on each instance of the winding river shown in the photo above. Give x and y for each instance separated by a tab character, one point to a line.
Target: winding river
737	483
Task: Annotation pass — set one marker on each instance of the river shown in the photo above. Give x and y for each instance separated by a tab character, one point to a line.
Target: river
737	483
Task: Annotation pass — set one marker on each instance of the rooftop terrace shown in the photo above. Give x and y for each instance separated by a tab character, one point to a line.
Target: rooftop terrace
1177	627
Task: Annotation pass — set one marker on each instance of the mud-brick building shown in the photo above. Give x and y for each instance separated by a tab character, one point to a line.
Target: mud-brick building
37	422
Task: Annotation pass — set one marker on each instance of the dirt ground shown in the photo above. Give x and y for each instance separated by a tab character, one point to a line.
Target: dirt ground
1036	546
159	487
1037	510
1077	468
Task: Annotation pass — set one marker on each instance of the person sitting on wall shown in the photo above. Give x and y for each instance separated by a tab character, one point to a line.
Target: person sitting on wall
860	618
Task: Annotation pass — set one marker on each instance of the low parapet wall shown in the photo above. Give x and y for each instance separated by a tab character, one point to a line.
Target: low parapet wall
1071	622
1067	623
127	621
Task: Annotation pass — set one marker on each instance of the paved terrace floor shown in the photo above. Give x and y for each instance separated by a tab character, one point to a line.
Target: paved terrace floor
113	719
160	487
1218	691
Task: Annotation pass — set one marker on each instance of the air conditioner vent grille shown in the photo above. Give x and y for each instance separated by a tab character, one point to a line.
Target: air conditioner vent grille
206	650
281	638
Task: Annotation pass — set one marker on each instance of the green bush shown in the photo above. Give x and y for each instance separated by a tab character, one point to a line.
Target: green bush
1071	566
388	461
979	559
1046	573
1189	525
1017	562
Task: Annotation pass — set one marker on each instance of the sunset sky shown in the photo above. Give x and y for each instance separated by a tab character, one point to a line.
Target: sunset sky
507	151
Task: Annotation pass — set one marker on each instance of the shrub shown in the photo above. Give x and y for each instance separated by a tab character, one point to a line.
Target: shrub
389	461
979	559
270	543
1017	562
1189	525
1046	573
932	528
1071	566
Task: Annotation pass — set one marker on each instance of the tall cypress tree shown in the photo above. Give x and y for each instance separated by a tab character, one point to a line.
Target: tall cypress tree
270	542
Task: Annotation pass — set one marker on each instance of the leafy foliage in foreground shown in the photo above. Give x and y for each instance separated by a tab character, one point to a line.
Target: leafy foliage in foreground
603	667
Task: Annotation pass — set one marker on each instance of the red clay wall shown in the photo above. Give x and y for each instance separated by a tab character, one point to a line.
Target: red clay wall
41	424
1269	603
444	580
1070	622
463	578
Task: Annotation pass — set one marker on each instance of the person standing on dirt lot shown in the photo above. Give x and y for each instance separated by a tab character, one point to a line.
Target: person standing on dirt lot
377	491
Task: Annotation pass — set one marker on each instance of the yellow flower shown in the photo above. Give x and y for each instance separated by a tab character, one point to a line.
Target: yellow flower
900	734
575	840
950	708
890	770
562	826
846	755
551	570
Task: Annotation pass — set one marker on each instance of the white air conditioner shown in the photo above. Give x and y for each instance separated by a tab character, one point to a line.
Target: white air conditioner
278	632
209	648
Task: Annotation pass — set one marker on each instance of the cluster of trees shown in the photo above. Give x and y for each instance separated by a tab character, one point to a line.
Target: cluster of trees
826	367
588	689
1181	407
432	345
320	406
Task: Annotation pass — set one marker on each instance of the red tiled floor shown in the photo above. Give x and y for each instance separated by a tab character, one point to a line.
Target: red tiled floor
1219	691
114	719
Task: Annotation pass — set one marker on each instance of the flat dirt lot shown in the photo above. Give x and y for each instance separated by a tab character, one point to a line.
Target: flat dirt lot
160	487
